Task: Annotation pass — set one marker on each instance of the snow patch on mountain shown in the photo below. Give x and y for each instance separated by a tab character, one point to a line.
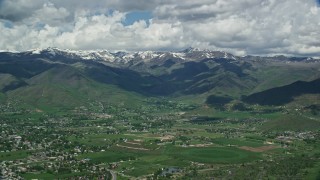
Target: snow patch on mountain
190	54
36	51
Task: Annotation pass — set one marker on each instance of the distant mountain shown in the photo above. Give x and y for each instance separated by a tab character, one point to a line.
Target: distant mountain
190	54
285	94
73	78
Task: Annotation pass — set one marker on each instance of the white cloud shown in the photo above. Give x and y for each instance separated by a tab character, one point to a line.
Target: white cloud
241	27
49	14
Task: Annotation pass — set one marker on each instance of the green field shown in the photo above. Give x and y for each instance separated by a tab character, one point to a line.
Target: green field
47	176
238	142
290	122
44	176
10	156
215	155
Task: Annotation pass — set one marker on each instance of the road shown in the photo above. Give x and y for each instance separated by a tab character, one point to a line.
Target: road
114	175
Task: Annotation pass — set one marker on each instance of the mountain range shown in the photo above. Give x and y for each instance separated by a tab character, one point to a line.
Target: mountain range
67	78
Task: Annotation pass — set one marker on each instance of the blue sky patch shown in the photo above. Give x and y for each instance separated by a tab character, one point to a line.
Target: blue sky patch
132	17
7	24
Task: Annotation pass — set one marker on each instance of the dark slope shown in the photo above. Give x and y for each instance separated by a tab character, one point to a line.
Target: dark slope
124	78
285	94
197	77
9	82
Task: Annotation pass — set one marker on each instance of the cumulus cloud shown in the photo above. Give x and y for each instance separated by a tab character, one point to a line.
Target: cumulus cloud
16	10
241	27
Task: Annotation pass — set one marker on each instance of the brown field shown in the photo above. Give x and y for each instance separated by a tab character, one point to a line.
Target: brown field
258	149
135	148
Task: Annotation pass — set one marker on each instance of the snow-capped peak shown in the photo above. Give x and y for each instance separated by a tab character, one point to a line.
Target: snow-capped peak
191	49
147	55
82	54
189	54
35	51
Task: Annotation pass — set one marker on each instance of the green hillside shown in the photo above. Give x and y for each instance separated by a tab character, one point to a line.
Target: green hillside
69	82
66	87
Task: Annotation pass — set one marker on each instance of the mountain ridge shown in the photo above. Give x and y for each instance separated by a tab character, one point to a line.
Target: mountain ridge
190	74
189	54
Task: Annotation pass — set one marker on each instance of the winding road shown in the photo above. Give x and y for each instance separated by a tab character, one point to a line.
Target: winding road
114	175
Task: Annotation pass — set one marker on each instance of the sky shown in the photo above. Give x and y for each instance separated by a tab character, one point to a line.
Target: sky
241	27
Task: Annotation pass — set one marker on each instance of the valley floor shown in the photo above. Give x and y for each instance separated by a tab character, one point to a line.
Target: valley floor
161	140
